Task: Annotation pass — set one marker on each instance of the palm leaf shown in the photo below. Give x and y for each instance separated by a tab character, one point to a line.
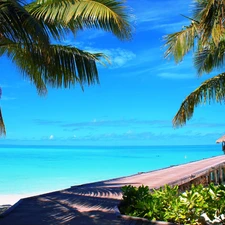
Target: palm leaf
211	14
58	66
211	90
2	125
71	65
109	15
19	26
180	43
207	33
210	57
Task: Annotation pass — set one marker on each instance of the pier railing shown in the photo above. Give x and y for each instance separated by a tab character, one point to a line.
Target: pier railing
214	174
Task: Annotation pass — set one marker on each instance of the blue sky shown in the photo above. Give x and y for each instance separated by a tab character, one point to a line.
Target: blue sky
138	95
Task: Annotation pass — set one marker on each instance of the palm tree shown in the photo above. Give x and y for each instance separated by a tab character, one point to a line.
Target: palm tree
206	36
27	32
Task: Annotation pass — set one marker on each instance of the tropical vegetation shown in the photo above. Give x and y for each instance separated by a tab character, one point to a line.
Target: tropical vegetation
31	36
205	35
195	206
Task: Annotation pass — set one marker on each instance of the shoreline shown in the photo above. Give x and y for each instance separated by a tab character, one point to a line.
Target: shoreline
43	171
95	202
11	199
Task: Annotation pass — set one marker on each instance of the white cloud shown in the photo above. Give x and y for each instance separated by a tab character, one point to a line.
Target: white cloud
166	27
158	11
129	132
5	85
172	75
5	98
160	15
51	137
118	57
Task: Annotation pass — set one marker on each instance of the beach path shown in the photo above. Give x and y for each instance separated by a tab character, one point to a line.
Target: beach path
95	203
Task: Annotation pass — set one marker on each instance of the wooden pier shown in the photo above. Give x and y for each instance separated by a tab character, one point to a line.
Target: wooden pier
96	203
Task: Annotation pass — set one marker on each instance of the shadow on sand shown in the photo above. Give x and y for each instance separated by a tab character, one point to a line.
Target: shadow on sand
85	204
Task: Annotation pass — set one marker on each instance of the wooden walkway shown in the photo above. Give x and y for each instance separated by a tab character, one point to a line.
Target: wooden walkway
96	203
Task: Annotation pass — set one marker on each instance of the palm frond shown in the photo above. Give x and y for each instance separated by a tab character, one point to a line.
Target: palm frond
197	7
211	90
70	65
58	66
109	15
2	125
180	43
210	57
211	19
18	25
207	33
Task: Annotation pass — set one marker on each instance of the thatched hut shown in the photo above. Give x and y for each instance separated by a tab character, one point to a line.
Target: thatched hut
222	140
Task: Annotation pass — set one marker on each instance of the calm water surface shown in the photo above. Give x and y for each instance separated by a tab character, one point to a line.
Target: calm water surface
27	169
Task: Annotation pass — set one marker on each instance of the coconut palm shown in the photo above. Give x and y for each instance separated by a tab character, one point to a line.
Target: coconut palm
27	32
206	36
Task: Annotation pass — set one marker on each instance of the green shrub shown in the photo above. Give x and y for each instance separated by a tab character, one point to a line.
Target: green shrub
136	201
168	204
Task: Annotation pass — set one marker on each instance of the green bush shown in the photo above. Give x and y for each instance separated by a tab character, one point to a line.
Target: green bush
168	204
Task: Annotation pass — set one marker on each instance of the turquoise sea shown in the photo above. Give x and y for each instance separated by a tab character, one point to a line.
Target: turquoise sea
37	169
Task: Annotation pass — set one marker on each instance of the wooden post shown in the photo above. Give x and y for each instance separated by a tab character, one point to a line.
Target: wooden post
220	175
223	175
215	176
207	178
210	176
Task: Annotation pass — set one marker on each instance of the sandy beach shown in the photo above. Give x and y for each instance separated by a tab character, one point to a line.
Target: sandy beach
135	179
95	203
13	198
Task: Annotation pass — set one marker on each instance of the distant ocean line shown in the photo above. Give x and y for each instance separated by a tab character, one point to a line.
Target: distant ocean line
39	169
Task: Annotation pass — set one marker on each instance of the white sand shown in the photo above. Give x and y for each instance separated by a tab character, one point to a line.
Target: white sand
13	198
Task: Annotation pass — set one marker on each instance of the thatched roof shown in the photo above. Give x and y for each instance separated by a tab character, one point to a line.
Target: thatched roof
222	139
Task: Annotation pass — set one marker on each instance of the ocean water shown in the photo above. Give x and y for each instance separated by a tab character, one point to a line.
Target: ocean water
39	169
